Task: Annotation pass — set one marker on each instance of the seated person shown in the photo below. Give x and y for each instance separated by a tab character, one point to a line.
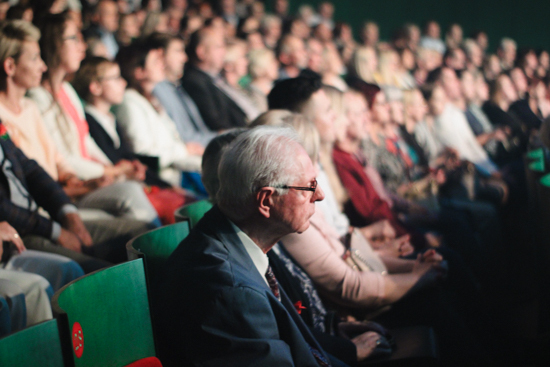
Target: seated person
13	312
26	188
99	83
25	269
178	104
220	273
450	124
305	95
147	128
202	80
48	131
299	286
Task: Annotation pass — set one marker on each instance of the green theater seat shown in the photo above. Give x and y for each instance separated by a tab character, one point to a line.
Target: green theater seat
38	345
105	316
194	211
155	246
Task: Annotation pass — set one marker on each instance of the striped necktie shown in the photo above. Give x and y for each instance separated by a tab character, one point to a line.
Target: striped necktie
272	281
274	286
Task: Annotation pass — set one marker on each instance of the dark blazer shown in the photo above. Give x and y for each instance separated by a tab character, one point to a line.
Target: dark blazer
42	188
211	307
337	346
106	144
218	111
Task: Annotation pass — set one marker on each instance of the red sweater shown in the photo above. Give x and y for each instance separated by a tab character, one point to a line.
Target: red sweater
365	206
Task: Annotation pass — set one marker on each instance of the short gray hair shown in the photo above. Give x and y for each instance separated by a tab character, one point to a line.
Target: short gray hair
263	156
507	42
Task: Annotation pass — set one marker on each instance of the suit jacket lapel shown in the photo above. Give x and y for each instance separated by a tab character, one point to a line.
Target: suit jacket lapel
228	237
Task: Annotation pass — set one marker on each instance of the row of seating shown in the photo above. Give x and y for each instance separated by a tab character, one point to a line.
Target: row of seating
104	318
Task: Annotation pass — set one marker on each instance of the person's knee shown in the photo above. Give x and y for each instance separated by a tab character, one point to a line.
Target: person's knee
135	204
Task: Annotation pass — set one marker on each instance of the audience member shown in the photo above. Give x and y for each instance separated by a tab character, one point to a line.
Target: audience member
370	34
176	101
507	53
63	116
263	71
146	126
105	25
431	38
38	275
99	83
292	55
264	215
202	80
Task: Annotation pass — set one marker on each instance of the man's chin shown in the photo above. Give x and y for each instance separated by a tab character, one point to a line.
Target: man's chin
303	228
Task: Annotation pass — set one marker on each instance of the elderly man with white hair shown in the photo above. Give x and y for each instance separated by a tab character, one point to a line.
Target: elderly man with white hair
218	302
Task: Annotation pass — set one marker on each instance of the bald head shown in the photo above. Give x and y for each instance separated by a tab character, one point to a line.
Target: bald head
206	49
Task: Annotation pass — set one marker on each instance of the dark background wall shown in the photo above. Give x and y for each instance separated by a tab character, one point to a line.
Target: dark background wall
526	21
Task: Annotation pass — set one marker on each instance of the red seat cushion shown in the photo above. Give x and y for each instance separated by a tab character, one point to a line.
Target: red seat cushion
146	362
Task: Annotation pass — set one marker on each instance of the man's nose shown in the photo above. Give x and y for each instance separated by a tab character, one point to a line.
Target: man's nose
319	194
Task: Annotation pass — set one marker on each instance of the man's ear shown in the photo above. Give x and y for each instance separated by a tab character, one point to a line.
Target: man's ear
95	88
200	51
264	201
9	66
139	73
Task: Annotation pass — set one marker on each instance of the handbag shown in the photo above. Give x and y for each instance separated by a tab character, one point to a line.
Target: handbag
359	254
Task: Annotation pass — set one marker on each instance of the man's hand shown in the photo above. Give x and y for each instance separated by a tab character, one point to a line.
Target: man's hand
9	234
69	240
138	173
74	224
365	343
431	256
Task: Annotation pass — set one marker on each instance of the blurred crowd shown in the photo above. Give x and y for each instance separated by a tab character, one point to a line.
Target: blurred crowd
107	107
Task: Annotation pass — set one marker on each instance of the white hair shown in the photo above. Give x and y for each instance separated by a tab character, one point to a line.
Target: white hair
263	156
507	42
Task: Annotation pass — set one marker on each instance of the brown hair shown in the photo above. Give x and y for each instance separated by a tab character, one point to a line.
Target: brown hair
52	29
91	70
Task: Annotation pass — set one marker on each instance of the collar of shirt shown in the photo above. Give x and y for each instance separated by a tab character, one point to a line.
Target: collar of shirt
258	257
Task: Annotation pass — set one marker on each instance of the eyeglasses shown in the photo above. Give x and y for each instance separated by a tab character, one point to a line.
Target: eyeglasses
76	38
104	78
312	188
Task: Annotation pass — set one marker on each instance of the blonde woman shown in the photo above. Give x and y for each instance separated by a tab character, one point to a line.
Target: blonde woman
364	63
263	68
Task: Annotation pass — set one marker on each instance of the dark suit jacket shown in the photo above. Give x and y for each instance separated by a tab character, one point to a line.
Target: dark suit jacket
44	190
337	346
218	111
211	307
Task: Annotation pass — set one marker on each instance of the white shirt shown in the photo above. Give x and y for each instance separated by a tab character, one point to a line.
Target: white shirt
452	129
260	260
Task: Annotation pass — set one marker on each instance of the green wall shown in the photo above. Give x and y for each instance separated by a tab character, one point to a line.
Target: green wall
526	21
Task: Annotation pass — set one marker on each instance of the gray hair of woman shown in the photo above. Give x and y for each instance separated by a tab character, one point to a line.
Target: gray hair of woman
263	156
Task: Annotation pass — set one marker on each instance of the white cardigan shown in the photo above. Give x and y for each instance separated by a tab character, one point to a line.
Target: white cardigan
452	130
153	133
63	131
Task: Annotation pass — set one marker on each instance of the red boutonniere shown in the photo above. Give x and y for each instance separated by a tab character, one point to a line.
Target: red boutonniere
4	132
299	307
